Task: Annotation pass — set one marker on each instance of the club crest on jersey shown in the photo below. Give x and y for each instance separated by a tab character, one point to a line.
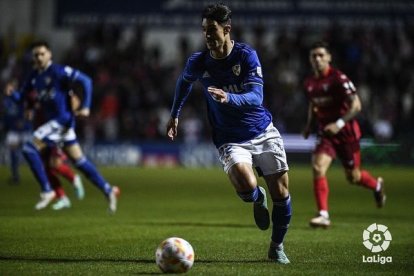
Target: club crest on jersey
236	69
325	87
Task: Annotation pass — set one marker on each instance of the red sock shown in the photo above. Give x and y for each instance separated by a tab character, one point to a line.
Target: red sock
368	181
65	171
321	191
55	183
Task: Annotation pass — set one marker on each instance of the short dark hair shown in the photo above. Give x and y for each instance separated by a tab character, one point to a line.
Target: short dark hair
320	44
218	12
40	43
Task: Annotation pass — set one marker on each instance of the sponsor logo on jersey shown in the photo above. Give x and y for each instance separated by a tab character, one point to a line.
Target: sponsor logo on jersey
232	88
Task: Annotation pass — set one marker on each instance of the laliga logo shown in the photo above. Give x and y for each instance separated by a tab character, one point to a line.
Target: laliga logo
376	238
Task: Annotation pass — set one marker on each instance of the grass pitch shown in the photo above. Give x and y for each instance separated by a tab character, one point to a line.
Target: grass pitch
200	206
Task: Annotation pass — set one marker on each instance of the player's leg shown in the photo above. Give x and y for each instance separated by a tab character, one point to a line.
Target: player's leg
278	185
57	163
322	158
74	152
244	181
269	159
62	200
13	145
237	163
31	152
320	165
350	156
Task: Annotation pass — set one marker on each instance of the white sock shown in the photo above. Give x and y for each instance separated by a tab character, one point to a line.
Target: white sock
324	213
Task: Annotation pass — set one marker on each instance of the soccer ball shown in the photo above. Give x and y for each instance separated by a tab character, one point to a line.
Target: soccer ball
174	255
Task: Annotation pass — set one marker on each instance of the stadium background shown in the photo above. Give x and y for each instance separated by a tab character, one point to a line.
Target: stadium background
134	52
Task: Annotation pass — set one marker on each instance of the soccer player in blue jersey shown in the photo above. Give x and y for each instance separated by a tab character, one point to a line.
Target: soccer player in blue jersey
243	133
18	131
49	82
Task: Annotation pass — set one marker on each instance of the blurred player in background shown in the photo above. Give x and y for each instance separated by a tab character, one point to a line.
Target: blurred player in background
334	104
18	130
243	133
55	161
51	82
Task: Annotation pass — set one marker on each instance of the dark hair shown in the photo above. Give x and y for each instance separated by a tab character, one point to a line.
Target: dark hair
40	43
320	44
218	12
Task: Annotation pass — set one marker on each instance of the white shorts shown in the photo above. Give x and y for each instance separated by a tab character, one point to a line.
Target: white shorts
265	152
15	138
53	132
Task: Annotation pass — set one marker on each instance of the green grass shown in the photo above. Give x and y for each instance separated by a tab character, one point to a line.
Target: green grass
200	206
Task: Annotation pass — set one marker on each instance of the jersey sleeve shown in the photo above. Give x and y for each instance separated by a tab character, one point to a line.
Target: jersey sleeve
193	67
74	75
345	85
184	83
254	69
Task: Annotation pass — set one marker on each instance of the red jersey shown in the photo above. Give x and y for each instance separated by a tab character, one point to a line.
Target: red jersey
329	94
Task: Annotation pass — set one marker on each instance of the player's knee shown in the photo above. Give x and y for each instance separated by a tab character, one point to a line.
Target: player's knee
29	147
318	170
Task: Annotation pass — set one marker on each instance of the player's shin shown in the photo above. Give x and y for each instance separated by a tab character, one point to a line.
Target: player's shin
367	180
281	214
93	175
32	156
321	191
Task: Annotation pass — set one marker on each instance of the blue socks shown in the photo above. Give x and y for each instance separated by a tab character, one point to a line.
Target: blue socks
281	214
32	156
252	196
93	175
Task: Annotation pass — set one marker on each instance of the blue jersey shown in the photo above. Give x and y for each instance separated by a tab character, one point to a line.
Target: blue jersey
13	116
240	75
51	88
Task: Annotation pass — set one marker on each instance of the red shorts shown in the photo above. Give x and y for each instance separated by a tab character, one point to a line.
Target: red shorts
58	153
349	153
54	152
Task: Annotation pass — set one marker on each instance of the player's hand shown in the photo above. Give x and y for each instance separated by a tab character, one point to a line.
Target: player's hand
10	88
331	129
218	94
83	112
75	102
172	127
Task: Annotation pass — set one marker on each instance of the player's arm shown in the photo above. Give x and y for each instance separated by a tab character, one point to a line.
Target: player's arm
86	82
252	96
307	130
182	90
354	108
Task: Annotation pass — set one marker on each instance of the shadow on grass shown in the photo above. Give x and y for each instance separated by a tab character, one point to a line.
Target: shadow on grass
131	261
199	224
117	261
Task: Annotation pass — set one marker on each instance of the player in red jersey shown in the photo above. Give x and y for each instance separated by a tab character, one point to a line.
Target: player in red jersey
334	104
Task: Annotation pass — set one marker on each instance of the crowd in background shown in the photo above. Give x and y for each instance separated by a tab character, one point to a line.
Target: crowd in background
134	88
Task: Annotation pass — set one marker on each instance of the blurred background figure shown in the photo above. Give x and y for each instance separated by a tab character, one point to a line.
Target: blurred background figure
17	128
